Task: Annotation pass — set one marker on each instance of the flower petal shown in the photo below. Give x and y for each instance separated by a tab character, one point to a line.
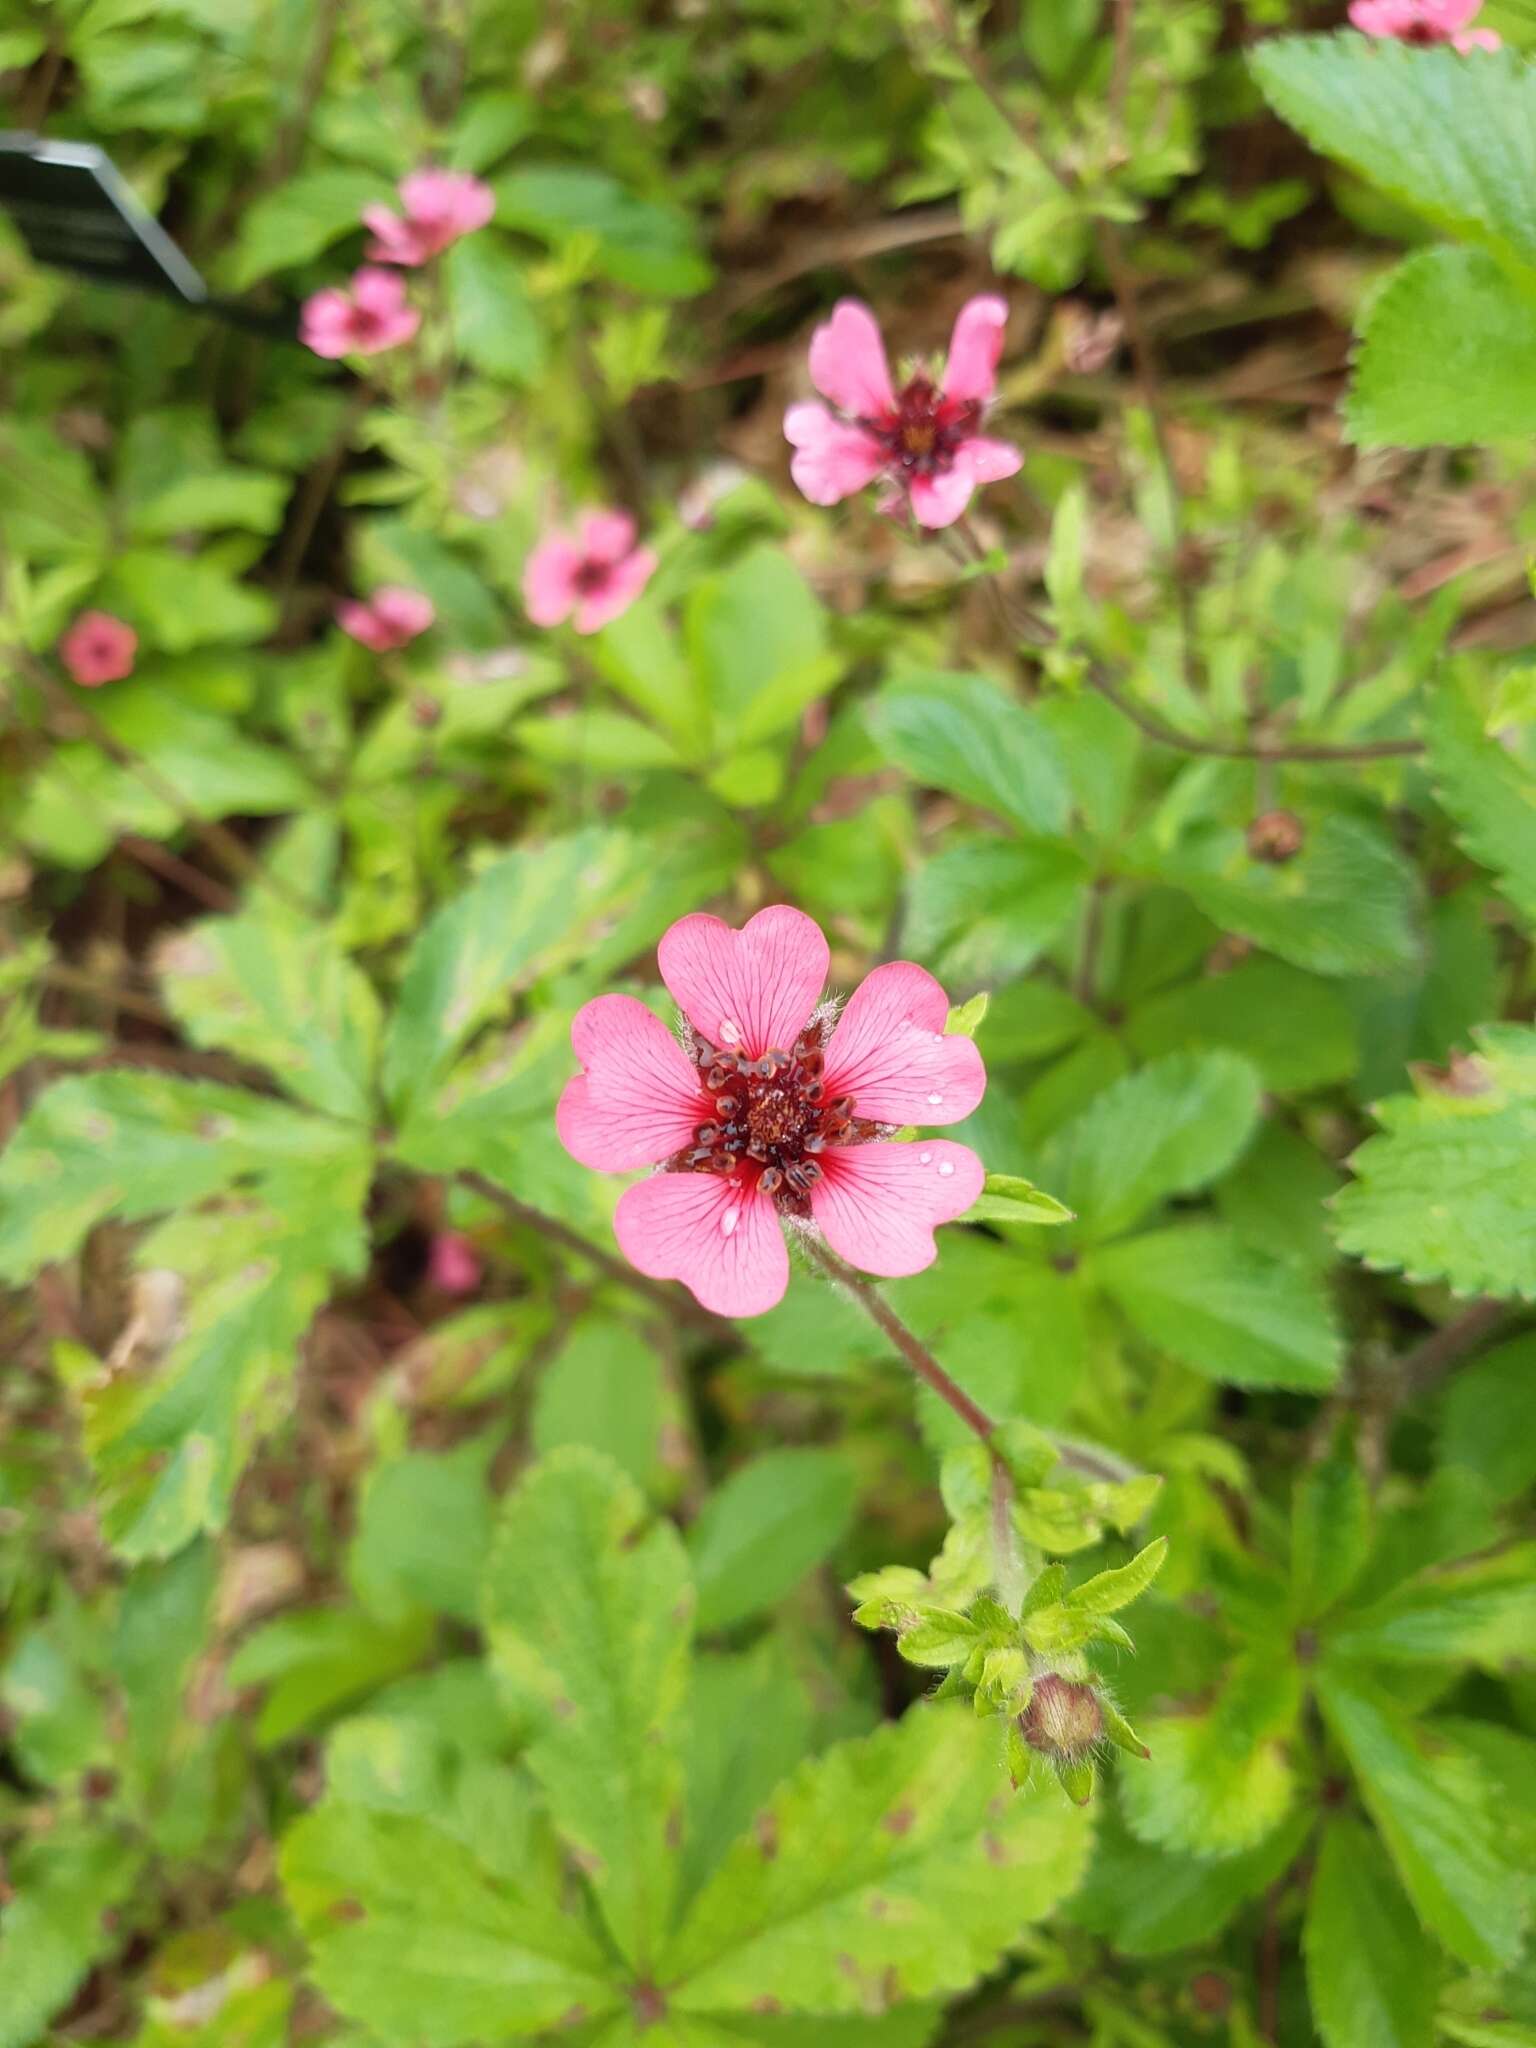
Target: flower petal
878	1205
940	499
720	1237
750	990
974	347
832	460
637	1099
607	536
988	461
549	580
623	585
848	361
891	1053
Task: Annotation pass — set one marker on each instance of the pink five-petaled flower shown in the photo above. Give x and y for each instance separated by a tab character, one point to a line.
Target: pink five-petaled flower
371	317
772	1107
1424	22
597	573
925	439
98	649
388	619
439	207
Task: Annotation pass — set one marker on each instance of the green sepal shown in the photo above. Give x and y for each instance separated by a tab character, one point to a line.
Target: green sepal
1120	1732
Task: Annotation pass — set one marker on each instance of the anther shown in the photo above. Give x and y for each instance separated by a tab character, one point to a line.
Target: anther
770	1180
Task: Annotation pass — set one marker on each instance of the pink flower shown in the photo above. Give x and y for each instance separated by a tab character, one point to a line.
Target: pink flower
388	619
596	575
772	1108
440	206
371	317
1424	22
924	439
452	1264
98	649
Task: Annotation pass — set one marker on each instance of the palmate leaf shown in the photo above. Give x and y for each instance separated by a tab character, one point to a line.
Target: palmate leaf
1371	1975
1219	1781
588	1610
1481	1612
529	913
1446	1190
168	1441
1487	788
415	1935
280	993
891	1868
128	1145
962	734
771	1522
1453	137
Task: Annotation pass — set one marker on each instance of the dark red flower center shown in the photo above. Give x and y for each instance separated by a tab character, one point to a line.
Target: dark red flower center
924	430
771	1119
592	576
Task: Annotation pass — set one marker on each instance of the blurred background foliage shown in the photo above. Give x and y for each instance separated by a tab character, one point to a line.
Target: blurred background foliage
304	1552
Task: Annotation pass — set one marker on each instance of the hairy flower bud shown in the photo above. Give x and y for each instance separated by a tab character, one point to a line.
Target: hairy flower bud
1063	1718
1276	837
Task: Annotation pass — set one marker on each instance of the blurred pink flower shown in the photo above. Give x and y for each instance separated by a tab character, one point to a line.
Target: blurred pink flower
440	206
597	574
371	317
773	1107
388	619
1424	22
98	649
453	1266
925	439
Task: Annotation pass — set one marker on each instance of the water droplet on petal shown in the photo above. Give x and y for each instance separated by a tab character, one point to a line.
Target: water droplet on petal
934	1101
729	1221
924	1158
730	1031
946	1167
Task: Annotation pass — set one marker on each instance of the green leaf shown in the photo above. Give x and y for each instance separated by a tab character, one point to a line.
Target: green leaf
183	601
1453	137
751	1725
636	242
772	1521
423	1534
280	993
1330	1531
588	1612
423	1942
1488	1424
1148	1901
985	908
1006	1198
127	1145
248	499
1371	1977
52	1930
964	735
169	1443
1231	1311
1108	1592
1297	1030
757	641
1435	1809
1219	1781
890	1868
1167	1130
495	326
1482	1612
301	219
314	1660
942	1639
1488	788
603	1390
1445	1192
1344	905
1447	354
513	923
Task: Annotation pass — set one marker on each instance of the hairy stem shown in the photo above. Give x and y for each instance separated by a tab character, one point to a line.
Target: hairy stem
911	1347
1167	735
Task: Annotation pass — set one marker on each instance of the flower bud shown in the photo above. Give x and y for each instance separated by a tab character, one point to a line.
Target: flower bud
1063	1718
1276	837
